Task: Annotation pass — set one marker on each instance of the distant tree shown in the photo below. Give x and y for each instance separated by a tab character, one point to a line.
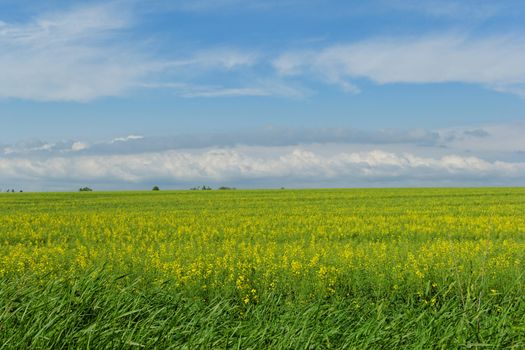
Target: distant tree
226	188
155	188
202	188
85	189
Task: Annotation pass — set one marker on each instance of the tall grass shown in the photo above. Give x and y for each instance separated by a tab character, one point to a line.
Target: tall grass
385	269
97	310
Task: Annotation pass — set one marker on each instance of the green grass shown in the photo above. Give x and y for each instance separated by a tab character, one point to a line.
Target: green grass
91	312
381	268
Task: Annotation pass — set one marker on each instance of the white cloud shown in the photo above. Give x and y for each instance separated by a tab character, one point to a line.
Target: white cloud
88	52
474	155
79	146
80	54
493	62
271	165
127	138
41	148
259	88
72	55
218	58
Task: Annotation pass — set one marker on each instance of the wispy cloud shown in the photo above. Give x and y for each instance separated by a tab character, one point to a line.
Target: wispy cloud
205	6
72	55
126	138
493	62
217	58
42	148
88	52
273	87
82	53
450	9
224	92
453	9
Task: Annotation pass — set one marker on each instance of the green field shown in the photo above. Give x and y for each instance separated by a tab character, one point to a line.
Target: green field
360	268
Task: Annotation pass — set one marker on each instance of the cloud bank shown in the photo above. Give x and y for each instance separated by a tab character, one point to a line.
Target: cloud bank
266	137
268	166
481	140
274	157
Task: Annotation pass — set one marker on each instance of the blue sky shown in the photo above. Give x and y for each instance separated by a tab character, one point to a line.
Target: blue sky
125	94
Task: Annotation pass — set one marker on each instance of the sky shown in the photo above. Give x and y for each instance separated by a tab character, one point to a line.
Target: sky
127	94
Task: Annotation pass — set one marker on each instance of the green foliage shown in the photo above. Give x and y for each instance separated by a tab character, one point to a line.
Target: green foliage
203	188
155	188
96	310
375	268
85	189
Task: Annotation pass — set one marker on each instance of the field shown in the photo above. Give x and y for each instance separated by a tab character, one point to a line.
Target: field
374	268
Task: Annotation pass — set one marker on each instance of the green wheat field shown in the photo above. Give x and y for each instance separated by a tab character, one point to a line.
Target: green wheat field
287	269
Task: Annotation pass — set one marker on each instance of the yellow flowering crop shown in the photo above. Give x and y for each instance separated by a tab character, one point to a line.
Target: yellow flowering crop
321	242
